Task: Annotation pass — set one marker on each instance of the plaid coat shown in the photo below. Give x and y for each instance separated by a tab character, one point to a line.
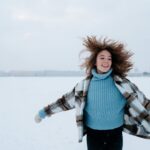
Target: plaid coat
137	109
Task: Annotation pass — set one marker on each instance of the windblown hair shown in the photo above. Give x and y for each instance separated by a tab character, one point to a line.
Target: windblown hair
120	56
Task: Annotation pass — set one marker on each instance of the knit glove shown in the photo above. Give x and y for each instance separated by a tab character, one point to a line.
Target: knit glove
41	115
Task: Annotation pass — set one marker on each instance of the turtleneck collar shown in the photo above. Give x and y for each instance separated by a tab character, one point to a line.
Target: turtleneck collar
100	76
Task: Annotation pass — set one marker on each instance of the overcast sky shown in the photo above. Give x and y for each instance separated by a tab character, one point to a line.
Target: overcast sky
47	34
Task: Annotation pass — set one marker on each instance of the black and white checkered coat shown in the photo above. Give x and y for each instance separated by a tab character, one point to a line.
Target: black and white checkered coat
137	110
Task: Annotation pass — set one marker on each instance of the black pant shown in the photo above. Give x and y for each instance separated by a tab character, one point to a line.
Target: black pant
104	139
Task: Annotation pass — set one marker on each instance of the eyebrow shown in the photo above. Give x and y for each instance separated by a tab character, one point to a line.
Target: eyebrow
104	55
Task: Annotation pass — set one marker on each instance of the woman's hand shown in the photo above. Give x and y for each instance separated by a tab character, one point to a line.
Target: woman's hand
41	115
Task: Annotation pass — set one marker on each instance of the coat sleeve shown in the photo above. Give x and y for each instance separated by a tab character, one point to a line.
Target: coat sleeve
66	102
141	96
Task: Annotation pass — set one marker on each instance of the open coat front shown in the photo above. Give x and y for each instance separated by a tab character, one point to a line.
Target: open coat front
137	110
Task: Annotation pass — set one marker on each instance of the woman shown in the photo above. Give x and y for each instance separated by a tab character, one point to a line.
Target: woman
106	102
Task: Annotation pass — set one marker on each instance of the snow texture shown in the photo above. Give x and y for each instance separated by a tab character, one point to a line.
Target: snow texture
22	97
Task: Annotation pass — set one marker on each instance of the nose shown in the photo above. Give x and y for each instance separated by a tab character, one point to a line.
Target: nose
106	60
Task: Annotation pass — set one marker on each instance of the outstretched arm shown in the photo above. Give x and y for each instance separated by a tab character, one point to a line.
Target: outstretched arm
66	102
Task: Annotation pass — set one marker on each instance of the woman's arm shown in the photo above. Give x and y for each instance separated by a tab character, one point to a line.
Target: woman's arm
141	96
66	102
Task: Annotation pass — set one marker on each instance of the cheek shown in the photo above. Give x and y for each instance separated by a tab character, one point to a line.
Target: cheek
98	63
110	63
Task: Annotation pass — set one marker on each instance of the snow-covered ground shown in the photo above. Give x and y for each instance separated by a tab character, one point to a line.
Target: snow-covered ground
21	98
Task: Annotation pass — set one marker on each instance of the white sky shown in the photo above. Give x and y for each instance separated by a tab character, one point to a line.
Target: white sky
47	34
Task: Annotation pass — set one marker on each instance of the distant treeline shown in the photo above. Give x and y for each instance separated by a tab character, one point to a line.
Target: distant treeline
41	73
52	73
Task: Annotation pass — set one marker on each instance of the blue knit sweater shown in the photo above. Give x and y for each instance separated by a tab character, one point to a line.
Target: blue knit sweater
105	104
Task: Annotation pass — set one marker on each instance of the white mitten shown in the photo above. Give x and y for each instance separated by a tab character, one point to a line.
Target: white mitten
37	119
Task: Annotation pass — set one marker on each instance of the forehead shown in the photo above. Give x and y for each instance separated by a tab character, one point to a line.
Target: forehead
104	53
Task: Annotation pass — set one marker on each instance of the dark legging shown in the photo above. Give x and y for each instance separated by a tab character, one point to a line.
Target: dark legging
104	139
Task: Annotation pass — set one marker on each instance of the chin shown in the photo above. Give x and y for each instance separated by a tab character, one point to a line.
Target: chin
103	70
106	70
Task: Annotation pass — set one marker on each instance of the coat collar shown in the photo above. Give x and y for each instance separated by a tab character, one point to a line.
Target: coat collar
118	79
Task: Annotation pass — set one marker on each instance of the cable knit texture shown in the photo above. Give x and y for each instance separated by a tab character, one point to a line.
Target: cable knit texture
105	104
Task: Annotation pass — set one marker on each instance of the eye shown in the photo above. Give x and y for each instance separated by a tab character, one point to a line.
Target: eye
101	58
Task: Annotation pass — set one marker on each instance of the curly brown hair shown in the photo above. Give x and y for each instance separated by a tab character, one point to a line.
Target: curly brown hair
120	56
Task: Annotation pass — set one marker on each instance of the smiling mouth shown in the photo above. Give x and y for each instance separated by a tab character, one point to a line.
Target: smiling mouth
105	66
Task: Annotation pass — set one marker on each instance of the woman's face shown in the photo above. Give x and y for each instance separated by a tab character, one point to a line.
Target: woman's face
103	61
